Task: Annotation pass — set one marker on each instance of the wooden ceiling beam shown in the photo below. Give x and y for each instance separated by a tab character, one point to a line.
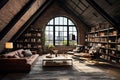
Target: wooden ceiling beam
16	18
83	3
77	5
67	9
31	20
104	14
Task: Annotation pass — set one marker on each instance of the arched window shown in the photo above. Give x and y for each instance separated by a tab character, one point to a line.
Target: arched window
60	31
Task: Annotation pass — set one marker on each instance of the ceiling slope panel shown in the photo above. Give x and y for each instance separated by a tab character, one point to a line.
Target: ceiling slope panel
84	11
36	5
9	10
112	7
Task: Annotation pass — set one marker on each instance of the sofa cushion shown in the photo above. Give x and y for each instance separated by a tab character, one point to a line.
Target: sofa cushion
3	56
32	59
19	53
16	56
6	61
85	55
10	54
27	53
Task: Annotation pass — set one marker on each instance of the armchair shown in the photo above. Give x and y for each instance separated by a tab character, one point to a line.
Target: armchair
78	49
94	53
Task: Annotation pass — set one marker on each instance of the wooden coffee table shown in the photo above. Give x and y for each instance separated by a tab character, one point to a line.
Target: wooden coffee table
57	61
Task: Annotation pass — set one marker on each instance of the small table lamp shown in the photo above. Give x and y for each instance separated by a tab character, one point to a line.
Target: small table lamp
9	45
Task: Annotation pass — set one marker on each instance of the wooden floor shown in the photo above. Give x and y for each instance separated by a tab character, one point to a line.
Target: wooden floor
80	70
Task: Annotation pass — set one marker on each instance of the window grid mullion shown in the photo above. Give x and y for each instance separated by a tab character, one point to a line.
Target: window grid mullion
54	31
67	33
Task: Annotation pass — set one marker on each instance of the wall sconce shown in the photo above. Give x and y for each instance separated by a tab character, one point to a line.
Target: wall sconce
9	45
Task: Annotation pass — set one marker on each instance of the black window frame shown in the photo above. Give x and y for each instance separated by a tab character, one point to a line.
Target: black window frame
68	25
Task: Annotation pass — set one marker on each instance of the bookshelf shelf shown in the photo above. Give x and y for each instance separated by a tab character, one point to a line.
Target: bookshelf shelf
30	39
108	37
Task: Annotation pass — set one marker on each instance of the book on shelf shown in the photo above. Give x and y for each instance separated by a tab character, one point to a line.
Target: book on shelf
39	34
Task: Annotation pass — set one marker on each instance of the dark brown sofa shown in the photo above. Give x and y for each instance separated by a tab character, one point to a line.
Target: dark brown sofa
16	61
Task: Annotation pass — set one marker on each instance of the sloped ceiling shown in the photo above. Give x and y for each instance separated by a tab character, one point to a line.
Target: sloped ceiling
15	13
112	7
9	10
83	10
90	16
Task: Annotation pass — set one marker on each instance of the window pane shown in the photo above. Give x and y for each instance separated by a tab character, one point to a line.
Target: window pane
51	22
49	35
56	28
56	38
56	33
56	21
61	29
70	32
47	28
72	42
70	36
57	42
75	33
74	28
65	38
60	33
70	22
70	29
48	42
65	28
65	21
51	28
61	20
65	33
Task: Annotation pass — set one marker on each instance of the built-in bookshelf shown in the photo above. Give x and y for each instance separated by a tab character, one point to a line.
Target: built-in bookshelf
30	39
109	38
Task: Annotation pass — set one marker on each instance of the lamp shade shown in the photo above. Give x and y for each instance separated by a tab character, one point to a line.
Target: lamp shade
8	45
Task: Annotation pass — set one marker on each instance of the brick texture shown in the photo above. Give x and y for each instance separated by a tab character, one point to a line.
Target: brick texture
55	10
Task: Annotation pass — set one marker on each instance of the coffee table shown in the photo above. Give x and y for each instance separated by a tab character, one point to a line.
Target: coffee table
57	61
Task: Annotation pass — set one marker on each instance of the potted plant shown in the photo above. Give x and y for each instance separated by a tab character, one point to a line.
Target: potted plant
53	50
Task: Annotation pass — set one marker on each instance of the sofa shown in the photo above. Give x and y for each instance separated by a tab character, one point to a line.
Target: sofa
18	61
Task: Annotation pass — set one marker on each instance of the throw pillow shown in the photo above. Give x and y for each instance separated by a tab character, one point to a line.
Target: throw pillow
16	56
27	53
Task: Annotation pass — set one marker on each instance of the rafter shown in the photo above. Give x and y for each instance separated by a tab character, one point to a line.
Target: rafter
31	20
104	14
66	8
15	19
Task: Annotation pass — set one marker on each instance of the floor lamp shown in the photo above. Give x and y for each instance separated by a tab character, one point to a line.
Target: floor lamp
8	46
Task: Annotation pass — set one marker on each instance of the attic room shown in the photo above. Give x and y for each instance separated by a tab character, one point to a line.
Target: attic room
59	39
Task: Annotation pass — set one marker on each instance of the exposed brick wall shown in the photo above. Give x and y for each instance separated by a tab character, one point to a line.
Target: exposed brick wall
55	10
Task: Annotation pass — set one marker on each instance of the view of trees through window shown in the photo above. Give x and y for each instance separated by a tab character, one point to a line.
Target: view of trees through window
60	31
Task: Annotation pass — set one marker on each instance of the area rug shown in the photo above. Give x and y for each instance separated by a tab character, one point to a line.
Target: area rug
58	73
